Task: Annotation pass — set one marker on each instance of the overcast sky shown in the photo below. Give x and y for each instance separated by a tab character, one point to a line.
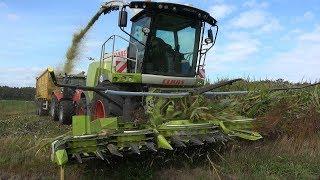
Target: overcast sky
258	39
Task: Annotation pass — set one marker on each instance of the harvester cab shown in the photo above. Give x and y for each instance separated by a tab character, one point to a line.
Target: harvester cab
167	38
166	45
135	95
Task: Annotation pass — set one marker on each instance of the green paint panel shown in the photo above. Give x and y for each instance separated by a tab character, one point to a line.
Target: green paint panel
83	146
83	143
80	125
103	124
95	127
126	78
126	141
91	149
132	138
109	123
92	76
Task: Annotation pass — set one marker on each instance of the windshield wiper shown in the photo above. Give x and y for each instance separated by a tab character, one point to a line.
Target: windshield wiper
122	29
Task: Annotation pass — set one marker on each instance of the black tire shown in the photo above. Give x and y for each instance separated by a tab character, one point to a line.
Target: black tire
114	99
113	104
54	108
81	107
66	111
41	111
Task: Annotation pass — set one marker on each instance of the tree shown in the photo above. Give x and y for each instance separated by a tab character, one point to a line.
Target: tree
15	93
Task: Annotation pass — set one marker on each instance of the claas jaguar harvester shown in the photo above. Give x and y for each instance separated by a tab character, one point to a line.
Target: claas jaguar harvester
132	92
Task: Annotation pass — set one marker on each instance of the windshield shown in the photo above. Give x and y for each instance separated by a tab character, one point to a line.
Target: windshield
138	34
173	46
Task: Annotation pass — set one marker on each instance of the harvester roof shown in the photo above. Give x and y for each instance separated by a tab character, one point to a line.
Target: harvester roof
179	9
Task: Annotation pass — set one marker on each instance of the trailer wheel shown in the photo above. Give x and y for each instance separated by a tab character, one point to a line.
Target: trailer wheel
41	111
54	108
81	108
66	111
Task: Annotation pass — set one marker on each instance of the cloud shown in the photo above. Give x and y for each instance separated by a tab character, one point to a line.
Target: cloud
307	16
255	4
3	5
273	25
258	19
19	77
311	37
299	63
19	70
249	19
293	33
241	57
13	17
240	47
220	11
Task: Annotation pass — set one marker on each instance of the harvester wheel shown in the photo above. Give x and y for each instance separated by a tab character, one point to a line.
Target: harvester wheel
106	107
54	108
102	107
66	111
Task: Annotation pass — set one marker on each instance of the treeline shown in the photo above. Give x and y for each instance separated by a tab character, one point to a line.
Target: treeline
15	93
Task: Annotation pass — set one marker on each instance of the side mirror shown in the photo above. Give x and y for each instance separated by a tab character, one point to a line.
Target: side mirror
209	39
123	18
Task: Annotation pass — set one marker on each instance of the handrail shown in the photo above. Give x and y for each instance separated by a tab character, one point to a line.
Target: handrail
103	50
113	37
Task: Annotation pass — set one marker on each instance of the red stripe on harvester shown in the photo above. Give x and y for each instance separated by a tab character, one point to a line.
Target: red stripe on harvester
201	73
123	67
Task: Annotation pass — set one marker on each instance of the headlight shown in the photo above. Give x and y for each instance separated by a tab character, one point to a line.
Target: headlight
208	40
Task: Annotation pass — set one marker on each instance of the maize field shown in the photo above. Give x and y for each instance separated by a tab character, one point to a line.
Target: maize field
289	122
